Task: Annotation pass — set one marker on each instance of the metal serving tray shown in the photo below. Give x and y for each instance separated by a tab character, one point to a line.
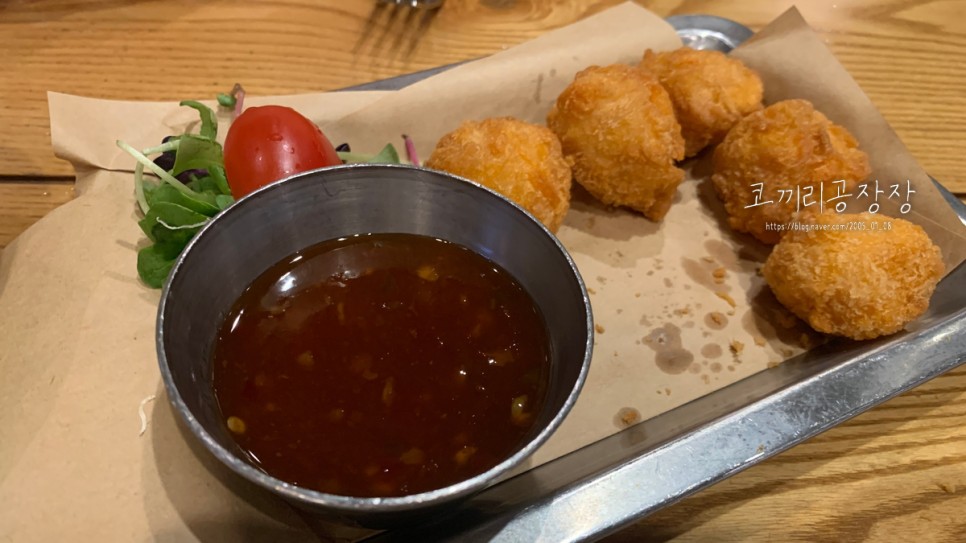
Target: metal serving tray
606	485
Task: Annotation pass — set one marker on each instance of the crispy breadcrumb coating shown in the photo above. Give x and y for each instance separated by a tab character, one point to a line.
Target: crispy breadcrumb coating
856	275
790	147
520	160
617	125
710	92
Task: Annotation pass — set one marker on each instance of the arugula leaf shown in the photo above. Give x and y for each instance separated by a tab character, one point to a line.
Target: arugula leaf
172	241
217	173
154	266
204	184
149	187
206	204
170	227
209	123
165	216
224	200
197	153
388	155
155	169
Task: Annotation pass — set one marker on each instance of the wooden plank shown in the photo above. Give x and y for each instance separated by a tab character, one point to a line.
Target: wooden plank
903	53
25	201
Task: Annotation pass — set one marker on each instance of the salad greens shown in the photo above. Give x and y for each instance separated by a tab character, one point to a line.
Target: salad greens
184	186
189	189
388	155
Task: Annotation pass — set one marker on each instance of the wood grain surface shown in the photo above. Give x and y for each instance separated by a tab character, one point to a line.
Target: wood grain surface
897	473
24	201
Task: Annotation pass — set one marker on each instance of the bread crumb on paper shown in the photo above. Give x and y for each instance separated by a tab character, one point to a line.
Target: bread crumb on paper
590	290
736	347
599	328
719	275
626	417
760	341
726	297
772	364
715	320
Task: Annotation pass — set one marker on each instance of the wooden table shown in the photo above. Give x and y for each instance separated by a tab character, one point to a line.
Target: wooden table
896	473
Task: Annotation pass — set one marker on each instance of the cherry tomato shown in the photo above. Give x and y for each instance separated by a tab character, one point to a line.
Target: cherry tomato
268	143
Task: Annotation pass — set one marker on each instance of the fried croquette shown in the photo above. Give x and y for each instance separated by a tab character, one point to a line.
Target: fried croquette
776	161
710	92
520	160
617	125
855	275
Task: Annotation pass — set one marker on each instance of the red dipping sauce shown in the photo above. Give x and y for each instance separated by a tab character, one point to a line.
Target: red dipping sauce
381	365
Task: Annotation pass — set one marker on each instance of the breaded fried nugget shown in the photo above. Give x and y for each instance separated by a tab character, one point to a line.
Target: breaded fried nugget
710	92
791	153
617	125
520	160
855	275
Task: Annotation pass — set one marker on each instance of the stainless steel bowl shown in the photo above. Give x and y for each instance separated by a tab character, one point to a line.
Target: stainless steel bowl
278	220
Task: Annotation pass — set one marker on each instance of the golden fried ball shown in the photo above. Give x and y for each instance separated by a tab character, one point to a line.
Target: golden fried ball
788	146
617	125
520	160
856	275
710	92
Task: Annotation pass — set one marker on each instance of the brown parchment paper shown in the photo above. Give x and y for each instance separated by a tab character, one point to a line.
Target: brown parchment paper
680	308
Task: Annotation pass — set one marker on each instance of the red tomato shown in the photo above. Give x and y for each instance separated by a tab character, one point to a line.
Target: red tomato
268	143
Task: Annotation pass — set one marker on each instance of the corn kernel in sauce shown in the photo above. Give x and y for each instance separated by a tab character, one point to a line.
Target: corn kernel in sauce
381	365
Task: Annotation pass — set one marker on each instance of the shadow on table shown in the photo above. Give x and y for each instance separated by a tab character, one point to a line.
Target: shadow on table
392	31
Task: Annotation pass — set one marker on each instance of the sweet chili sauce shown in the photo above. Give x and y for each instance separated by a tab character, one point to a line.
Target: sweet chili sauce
381	365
